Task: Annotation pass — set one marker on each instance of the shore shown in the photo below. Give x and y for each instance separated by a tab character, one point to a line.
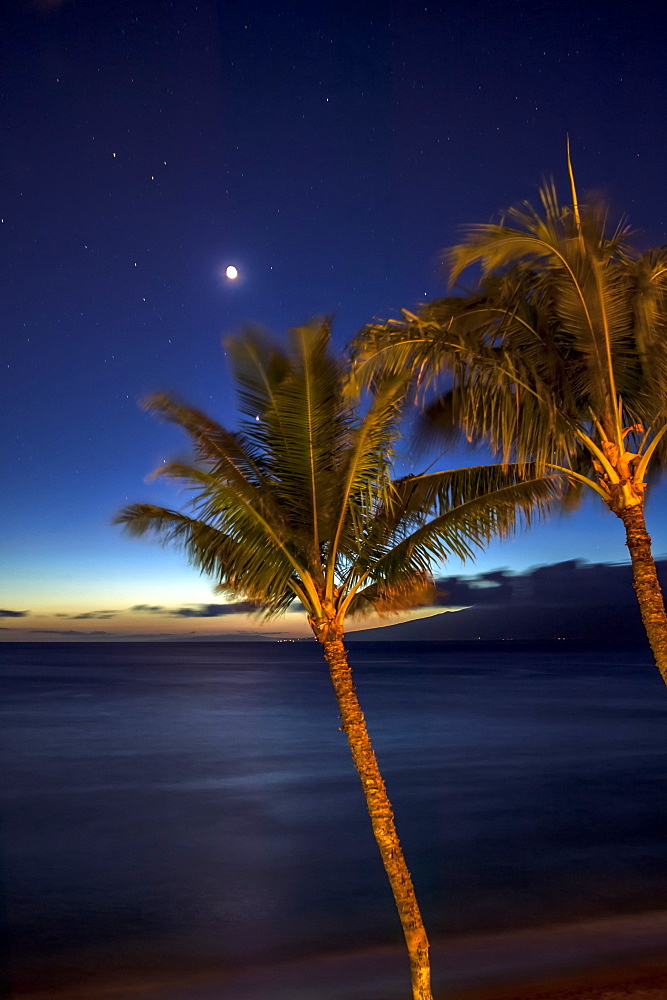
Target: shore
625	983
621	958
646	986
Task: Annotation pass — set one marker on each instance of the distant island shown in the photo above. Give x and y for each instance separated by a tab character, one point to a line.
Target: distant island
570	600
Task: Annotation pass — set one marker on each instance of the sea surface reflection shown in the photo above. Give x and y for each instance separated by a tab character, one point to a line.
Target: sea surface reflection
194	805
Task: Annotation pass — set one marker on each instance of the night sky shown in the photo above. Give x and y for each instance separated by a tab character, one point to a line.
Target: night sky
329	151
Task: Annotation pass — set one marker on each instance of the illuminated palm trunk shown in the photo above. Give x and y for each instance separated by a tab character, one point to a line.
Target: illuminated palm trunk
379	809
646	584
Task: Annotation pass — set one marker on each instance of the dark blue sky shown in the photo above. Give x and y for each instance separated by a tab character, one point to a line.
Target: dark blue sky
330	151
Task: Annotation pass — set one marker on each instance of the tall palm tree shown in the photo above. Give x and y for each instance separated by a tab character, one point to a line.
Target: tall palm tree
558	357
300	505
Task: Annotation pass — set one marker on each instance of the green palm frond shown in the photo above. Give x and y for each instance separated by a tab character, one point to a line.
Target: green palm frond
496	247
564	339
231	454
302	502
388	350
464	529
437	424
649	282
244	566
412	591
435	517
298	420
213	491
579	279
440	492
318	424
364	484
259	368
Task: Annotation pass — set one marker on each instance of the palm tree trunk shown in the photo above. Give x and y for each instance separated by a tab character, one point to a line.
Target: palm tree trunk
645	582
380	812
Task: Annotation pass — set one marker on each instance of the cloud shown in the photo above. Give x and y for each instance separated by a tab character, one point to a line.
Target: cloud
67	631
187	611
571	600
214	610
96	614
567	598
121	636
485	588
570	584
197	610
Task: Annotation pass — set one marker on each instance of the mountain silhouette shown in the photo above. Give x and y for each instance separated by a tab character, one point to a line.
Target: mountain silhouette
568	600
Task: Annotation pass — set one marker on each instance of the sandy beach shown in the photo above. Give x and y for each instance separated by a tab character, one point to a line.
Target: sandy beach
622	984
617	984
633	982
621	958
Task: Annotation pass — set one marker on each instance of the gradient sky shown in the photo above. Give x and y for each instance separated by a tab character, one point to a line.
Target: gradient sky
329	151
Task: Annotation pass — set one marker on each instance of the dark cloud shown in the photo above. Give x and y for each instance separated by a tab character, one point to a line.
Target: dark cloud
571	600
214	610
187	611
66	631
197	610
96	614
571	584
485	588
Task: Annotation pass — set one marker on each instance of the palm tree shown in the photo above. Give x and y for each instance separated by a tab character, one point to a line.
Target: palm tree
300	505
558	357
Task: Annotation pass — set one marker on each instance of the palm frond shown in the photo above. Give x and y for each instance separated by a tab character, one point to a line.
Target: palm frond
241	564
388	350
259	368
227	451
461	529
648	276
303	501
364	483
316	416
568	322
411	591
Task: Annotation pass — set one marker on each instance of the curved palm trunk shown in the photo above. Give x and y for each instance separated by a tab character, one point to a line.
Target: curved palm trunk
380	811
645	582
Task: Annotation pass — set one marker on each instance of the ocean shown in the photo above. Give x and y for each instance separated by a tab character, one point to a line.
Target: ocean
187	806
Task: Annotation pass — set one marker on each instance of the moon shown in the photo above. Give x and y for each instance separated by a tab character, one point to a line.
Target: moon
232	272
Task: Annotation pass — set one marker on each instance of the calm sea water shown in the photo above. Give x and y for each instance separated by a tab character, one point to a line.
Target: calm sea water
195	804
